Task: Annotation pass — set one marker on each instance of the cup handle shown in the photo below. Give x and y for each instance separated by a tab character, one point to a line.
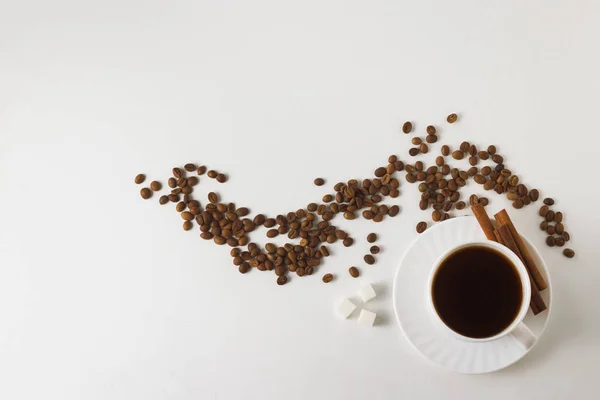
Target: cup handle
524	336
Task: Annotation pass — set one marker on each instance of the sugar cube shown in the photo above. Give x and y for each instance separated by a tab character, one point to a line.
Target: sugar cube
346	308
366	318
367	293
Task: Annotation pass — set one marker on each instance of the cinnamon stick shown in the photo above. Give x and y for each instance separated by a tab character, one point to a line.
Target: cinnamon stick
503	219
498	237
537	303
484	221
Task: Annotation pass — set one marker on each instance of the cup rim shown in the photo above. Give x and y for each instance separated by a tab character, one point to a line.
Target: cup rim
523	274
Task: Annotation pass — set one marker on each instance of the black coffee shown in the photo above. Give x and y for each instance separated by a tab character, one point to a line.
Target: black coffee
477	292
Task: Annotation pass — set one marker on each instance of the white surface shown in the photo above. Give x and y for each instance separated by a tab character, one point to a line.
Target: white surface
366	318
346	308
104	296
367	293
425	330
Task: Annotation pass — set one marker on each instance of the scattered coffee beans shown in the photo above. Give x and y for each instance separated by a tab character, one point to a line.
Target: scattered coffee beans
312	227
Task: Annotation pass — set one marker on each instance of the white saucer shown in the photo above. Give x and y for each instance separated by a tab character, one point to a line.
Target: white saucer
410	304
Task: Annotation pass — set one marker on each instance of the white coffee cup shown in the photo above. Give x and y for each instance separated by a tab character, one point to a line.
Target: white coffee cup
517	328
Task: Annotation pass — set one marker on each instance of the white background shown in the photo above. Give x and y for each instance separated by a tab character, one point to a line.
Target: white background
104	296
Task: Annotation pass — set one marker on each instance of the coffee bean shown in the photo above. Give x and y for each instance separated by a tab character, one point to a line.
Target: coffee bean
348	241
430	130
201	170
484	201
172	182
544	225
163	200
349	215
473	199
180	206
206	235
394	210
353	272
186	215
544	211
369	259
379	172
416	141
498	159
140	178
423	148
189	167
319	181
460	205
271	233
282	280
483	155
445	150
565	235
221	178
407	127
550	216
174	198
212	173
146	193
457	155
269	223
550	230
436	215
431	138
569	253
155	186
178	173
328	198
518	204
558	217
421	226
559	228
327	278
491	150
488	185
550	241
244	267
187	225
399	165
280	270
213	198
548	201
473	160
560	242
534	194
451	118
371	237
374	249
